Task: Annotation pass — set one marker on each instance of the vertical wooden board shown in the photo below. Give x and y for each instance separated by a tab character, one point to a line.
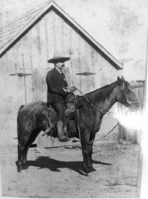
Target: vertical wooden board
57	33
50	36
54	31
96	67
103	69
86	66
75	59
66	45
93	67
17	68
86	55
43	73
139	92
68	40
47	33
24	44
38	43
108	72
50	141
4	114
141	96
42	44
27	77
50	33
12	84
22	60
37	85
26	59
99	65
44	141
35	56
64	36
25	68
80	63
9	98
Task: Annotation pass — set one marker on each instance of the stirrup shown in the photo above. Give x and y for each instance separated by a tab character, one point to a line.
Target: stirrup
47	130
64	139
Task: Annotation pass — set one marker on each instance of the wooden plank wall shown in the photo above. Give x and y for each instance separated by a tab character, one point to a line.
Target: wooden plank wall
31	53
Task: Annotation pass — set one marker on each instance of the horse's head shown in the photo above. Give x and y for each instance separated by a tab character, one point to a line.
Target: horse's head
125	95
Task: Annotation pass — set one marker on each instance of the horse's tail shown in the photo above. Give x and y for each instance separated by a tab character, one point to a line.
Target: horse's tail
18	137
21	108
18	129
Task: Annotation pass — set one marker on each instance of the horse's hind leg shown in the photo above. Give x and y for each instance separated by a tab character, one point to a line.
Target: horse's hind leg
22	151
20	165
25	166
31	139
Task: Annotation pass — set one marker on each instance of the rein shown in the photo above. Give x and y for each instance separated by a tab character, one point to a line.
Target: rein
92	103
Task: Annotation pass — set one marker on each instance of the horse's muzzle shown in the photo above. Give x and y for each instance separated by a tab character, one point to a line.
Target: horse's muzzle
134	106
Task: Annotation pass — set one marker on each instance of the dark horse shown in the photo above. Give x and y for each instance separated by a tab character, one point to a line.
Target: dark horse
33	118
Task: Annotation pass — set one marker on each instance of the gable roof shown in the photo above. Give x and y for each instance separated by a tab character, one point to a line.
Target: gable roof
16	29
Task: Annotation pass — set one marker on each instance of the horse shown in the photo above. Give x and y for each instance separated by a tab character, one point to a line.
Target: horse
33	118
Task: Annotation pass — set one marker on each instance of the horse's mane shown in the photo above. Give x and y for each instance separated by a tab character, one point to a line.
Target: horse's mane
102	93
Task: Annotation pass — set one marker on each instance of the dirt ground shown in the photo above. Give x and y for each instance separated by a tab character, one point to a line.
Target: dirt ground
58	173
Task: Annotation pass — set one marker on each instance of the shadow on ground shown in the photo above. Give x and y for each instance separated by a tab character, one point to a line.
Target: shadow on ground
55	165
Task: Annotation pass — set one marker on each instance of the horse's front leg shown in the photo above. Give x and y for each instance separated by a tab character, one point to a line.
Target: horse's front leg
90	149
87	146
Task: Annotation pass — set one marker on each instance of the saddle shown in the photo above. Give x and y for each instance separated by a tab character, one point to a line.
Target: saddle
72	103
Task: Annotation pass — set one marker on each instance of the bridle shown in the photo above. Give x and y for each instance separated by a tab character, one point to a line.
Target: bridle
83	95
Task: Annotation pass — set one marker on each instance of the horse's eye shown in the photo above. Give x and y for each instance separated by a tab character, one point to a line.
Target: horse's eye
127	91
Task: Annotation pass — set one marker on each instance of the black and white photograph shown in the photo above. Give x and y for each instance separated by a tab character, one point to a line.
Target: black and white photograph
73	93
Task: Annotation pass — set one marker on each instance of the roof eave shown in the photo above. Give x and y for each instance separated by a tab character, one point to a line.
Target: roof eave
114	61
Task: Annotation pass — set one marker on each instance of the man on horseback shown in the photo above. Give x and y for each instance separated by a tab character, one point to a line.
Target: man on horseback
57	90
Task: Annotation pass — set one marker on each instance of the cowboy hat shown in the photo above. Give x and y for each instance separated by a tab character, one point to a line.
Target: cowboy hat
58	57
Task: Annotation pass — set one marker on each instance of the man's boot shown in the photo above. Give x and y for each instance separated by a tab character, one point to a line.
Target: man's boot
62	137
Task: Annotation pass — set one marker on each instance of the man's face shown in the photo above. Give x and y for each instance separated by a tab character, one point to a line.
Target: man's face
60	65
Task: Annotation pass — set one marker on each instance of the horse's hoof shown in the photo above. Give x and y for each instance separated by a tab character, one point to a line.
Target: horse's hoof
86	170
92	169
20	168
23	172
83	172
25	166
89	169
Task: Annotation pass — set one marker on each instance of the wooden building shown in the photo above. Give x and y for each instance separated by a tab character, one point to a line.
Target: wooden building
25	46
132	134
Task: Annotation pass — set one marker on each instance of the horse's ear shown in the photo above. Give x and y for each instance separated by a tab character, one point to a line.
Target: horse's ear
119	80
122	78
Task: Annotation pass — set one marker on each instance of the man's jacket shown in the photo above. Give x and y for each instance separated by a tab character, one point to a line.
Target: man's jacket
55	83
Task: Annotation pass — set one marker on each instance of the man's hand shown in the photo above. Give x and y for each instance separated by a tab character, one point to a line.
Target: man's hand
70	89
73	88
